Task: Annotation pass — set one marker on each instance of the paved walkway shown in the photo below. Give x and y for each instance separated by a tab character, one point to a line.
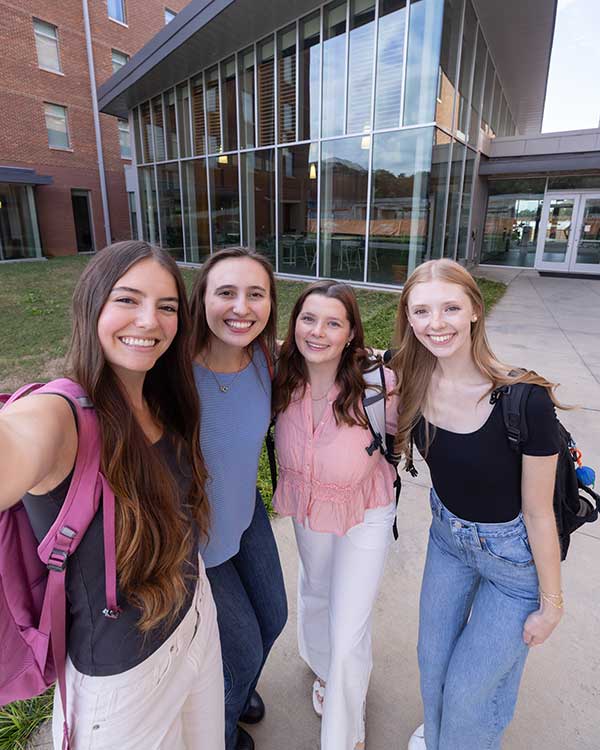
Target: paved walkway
553	326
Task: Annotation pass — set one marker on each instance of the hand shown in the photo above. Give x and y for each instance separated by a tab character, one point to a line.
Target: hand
540	624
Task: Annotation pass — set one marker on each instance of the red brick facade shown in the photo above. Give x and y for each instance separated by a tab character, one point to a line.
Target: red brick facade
24	88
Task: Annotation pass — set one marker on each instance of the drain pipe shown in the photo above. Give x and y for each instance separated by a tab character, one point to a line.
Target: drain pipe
96	115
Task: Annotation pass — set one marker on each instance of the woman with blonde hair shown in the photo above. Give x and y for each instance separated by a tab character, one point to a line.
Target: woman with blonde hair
491	585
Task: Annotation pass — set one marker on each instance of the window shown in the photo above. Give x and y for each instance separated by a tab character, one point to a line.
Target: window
56	125
124	139
169	15
118	59
46	42
132	215
116	10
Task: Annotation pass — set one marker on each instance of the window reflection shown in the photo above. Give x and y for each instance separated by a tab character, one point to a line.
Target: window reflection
360	65
183	117
309	76
224	200
170	124
298	174
399	204
512	222
424	32
438	195
228	105
445	114
286	83
477	93
198	115
266	93
195	210
466	68
139	155
390	59
344	170
213	113
246	105
149	205
465	207
258	200
454	196
170	209
334	68
147	142
19	236
159	128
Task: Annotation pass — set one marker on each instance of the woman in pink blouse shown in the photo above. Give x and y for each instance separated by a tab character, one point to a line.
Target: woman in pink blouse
340	498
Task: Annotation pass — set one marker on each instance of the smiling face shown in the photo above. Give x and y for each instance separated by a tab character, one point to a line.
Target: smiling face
441	314
139	319
322	329
237	301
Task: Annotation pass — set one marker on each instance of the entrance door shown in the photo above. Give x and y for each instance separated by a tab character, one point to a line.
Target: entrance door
569	240
82	218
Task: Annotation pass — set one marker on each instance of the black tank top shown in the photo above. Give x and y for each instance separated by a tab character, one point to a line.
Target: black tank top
97	645
477	475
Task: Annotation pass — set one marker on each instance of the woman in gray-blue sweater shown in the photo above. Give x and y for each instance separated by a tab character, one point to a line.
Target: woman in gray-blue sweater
233	306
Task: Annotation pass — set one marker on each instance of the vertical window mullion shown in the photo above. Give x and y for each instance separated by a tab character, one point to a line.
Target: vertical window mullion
276	86
297	79
346	66
255	95
371	138
220	66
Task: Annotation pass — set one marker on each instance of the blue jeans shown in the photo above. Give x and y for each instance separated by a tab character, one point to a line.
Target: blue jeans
479	586
251	605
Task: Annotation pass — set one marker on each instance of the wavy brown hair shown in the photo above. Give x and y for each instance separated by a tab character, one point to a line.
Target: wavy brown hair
292	374
154	533
414	364
200	328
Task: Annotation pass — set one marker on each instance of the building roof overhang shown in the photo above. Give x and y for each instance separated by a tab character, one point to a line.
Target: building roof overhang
519	35
24	176
540	164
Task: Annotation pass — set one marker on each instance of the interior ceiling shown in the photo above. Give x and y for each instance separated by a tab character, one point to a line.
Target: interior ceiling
518	32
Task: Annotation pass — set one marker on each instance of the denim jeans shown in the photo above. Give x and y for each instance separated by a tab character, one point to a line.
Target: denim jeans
479	586
251	605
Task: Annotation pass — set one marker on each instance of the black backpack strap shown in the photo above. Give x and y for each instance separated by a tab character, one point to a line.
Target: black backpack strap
513	400
270	443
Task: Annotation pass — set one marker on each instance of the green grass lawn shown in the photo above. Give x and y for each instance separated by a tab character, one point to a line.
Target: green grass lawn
34	334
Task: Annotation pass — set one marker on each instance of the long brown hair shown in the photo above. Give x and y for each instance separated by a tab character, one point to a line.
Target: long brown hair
154	534
414	364
292	374
200	328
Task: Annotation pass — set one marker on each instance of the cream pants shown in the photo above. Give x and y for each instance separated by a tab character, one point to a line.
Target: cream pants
171	701
338	582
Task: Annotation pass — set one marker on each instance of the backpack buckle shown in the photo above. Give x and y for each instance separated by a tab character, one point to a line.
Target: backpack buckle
57	560
375	445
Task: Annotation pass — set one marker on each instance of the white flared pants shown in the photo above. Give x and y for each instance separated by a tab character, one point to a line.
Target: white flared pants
338	582
173	700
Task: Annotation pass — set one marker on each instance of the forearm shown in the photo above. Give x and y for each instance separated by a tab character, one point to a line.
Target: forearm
543	539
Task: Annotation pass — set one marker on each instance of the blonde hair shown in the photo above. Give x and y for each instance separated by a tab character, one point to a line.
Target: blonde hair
414	364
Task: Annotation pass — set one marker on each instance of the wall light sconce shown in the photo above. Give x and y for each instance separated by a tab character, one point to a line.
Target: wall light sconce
365	142
312	172
223	159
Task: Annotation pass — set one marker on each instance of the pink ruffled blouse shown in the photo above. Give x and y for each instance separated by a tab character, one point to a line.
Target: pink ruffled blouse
326	474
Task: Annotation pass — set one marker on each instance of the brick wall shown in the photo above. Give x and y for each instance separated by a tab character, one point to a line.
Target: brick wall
24	88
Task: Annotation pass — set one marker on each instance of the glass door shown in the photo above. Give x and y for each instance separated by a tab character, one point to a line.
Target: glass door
569	239
556	236
586	241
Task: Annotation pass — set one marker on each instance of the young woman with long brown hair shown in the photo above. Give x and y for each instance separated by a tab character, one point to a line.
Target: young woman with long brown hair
491	586
234	313
152	677
340	496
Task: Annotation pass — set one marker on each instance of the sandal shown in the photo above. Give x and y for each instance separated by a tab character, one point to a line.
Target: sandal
318	696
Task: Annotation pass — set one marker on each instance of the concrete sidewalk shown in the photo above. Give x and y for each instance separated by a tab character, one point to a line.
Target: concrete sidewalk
553	326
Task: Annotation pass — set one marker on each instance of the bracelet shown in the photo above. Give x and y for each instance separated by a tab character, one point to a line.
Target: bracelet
555	600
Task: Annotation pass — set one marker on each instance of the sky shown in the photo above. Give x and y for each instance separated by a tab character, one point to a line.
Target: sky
573	94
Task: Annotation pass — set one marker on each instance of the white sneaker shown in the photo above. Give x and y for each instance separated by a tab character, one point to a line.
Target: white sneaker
417	740
318	696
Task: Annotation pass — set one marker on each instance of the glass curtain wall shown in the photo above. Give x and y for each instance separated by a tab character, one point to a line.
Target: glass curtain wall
317	143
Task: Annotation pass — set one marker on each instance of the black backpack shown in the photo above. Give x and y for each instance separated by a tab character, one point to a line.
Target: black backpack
571	507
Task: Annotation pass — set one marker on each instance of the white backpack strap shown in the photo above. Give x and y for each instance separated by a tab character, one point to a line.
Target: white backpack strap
374	405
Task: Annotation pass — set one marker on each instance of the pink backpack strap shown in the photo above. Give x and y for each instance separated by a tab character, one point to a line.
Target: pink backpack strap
87	489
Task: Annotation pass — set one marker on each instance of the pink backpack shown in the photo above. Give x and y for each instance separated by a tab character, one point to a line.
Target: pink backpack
32	576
